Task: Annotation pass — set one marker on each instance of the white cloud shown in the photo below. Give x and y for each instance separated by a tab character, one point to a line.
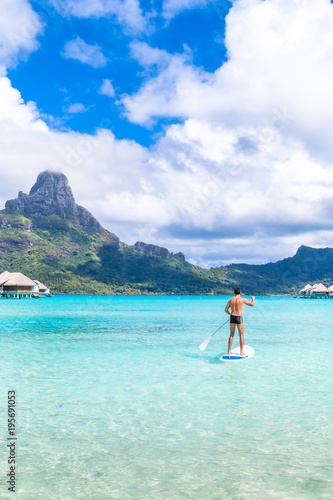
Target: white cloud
75	108
19	28
127	12
280	69
107	175
14	111
218	186
255	150
172	7
148	56
199	183
107	89
174	92
247	176
87	54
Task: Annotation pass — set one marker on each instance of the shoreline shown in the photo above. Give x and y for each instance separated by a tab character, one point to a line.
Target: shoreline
158	295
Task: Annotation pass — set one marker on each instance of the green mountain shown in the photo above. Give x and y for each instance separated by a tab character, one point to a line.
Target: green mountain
47	236
287	276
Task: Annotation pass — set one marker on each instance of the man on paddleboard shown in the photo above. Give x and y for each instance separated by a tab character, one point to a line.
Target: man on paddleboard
236	305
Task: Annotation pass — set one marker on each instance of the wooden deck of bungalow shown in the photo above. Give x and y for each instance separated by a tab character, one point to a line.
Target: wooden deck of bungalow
16	294
317	297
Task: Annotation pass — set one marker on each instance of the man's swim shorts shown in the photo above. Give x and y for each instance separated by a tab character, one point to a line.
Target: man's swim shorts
236	320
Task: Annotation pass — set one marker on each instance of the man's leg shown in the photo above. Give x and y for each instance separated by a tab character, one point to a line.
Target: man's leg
231	338
241	338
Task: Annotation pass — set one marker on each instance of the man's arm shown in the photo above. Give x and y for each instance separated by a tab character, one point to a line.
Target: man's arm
227	308
248	303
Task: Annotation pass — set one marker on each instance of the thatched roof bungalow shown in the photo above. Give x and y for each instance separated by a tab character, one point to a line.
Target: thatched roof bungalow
16	282
42	288
18	285
319	290
306	289
4	276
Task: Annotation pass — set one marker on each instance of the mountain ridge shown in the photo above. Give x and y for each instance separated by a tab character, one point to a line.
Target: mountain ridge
47	236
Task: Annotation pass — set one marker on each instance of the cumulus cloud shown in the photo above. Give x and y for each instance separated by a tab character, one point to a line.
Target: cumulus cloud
279	68
87	54
108	176
127	12
19	28
107	88
14	111
199	184
255	149
149	56
172	7
223	189
75	108
174	92
247	174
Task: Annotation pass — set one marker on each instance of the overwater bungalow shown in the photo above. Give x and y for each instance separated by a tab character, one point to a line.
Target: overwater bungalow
42	289
16	285
319	291
316	291
304	290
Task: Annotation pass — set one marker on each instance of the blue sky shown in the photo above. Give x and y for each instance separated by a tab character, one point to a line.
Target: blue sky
64	81
200	125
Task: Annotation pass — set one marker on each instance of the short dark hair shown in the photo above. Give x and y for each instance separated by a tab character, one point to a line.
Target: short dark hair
237	291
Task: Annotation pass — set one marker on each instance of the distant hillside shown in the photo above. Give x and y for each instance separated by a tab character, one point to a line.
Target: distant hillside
308	265
47	236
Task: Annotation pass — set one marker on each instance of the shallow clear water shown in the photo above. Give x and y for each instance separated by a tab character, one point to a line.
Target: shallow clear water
115	400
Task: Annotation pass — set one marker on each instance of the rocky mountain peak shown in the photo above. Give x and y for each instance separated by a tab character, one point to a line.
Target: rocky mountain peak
52	195
156	251
52	189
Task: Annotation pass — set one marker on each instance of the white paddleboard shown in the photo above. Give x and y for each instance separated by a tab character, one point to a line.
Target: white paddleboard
235	354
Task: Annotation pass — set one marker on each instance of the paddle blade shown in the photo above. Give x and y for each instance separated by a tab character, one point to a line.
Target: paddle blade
205	343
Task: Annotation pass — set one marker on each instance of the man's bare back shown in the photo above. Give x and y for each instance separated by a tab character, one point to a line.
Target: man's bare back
236	305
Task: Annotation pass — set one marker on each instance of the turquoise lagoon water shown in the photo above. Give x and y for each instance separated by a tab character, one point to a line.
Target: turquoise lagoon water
115	400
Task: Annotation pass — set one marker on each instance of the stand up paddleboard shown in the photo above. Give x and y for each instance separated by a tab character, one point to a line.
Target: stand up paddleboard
235	354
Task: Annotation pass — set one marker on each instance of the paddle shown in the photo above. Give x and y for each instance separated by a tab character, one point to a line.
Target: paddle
203	346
